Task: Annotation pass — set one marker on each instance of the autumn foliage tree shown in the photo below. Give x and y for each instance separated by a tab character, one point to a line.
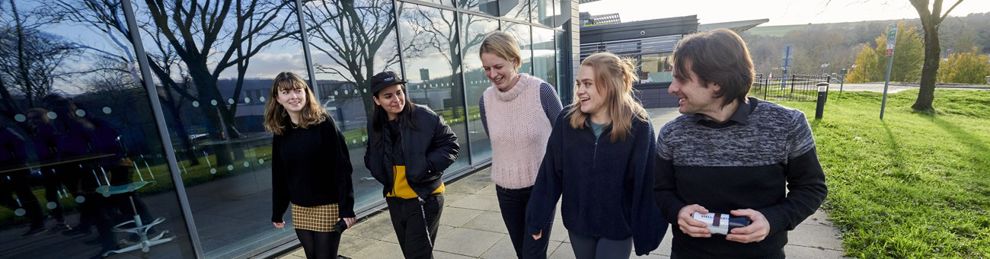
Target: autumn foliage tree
871	62
966	67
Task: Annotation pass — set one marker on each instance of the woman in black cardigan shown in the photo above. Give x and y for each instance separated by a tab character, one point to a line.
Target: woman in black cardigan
600	157
409	146
311	168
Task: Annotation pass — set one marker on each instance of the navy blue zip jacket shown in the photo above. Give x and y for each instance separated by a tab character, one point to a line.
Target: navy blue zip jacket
607	187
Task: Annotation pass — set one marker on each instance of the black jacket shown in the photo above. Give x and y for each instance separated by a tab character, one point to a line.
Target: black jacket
427	149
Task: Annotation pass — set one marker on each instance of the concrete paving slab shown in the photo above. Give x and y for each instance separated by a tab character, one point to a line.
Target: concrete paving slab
813	235
465	241
564	251
797	251
477	202
456	217
488	221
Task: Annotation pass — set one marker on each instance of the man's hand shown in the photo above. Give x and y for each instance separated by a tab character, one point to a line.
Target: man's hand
691	226
279	225
755	232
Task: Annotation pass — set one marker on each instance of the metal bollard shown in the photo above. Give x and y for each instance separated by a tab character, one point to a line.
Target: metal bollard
822	97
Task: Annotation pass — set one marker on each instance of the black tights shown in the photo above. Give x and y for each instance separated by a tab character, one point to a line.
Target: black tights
319	245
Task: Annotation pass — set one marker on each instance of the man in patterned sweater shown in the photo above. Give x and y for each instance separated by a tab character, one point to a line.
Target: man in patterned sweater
729	153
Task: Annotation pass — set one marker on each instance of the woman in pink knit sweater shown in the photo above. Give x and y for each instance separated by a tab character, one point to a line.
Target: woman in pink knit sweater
517	112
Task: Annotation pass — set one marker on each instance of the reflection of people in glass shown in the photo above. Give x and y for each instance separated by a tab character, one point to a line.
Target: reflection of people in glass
15	192
409	147
517	111
42	135
600	156
80	136
311	167
729	153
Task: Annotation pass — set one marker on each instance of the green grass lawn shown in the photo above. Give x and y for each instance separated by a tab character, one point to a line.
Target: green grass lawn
913	185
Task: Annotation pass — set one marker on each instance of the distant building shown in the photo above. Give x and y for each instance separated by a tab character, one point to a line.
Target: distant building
650	44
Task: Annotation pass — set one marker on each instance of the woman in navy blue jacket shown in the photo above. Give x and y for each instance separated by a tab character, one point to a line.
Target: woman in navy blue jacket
600	157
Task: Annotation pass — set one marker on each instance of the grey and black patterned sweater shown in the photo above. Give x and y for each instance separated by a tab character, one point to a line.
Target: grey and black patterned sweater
763	158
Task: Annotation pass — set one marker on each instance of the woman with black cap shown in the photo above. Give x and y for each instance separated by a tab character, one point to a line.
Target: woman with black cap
409	147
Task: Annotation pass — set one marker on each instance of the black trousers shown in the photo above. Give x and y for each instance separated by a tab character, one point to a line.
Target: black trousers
319	245
512	203
416	222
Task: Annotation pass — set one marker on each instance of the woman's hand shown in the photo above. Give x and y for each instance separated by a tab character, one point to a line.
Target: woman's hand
350	222
538	235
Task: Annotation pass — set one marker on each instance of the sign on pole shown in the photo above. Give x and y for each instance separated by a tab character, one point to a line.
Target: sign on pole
891	41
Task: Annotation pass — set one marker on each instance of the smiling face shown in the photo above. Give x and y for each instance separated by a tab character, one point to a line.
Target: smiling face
392	99
292	99
591	101
694	96
502	73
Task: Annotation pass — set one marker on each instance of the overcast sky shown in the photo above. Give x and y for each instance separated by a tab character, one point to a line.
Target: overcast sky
780	12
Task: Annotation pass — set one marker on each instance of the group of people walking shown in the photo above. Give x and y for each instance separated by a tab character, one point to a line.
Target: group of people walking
618	183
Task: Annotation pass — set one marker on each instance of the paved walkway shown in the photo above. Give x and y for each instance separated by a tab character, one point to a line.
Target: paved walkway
471	227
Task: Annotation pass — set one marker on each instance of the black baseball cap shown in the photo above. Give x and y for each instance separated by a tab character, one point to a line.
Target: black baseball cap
384	79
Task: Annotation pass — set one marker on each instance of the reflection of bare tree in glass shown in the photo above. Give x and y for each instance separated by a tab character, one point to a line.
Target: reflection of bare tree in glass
351	34
209	37
439	33
30	59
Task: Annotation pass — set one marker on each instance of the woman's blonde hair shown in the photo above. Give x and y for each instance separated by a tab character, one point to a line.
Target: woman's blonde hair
503	45
614	78
312	113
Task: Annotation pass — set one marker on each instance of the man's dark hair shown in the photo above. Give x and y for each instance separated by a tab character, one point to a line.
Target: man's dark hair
719	56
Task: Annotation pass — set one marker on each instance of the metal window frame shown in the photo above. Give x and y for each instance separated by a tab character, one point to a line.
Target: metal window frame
164	137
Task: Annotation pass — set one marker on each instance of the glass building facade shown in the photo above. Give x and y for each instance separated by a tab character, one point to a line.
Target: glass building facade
134	128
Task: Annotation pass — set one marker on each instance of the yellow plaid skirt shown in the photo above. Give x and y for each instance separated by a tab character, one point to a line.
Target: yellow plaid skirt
320	218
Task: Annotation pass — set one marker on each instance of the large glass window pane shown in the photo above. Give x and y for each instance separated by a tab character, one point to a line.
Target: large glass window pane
214	83
445	2
82	171
515	9
522	34
489	7
432	66
544	55
475	29
345	56
544	12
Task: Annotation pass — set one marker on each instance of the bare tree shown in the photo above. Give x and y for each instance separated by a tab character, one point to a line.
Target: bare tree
439	33
196	29
930	21
352	35
31	59
207	36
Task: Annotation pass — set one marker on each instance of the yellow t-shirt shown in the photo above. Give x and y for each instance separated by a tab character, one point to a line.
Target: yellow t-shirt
401	188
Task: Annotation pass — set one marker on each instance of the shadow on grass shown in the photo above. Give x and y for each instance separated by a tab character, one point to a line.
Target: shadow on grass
978	150
896	156
978	155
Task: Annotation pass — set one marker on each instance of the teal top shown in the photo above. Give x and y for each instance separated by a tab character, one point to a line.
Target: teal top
597	128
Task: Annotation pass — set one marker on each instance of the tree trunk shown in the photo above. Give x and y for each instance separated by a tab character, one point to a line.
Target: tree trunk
206	89
21	59
180	127
929	70
10	107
